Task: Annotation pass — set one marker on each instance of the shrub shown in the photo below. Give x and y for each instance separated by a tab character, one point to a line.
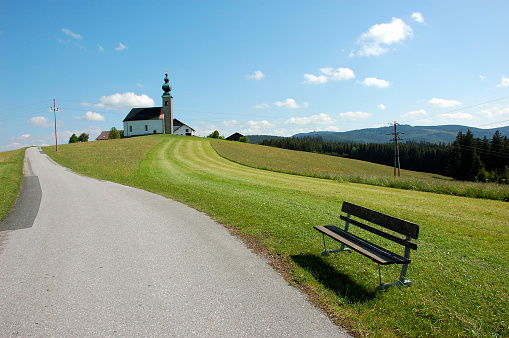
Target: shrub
73	139
83	137
114	133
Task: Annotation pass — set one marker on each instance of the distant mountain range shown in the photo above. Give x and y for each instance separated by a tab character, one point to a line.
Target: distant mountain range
432	134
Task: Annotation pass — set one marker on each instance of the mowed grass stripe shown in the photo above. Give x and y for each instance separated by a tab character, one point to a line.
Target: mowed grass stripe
459	270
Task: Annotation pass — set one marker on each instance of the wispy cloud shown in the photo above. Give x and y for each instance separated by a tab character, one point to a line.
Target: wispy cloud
39	121
441	103
311	120
504	82
91	116
251	127
374	82
415	114
290	104
495	112
262	106
329	73
100	48
125	101
457	116
379	37
257	75
71	33
381	106
354	115
417	17
120	47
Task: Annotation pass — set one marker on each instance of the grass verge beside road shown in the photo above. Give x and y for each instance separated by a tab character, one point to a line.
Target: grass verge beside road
459	271
11	178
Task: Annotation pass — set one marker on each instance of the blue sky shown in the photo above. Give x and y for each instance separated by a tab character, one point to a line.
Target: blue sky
254	67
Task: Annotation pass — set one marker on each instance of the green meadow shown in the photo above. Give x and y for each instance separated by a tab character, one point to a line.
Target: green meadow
459	272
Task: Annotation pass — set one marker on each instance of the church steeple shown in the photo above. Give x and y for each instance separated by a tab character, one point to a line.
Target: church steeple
167	106
166	86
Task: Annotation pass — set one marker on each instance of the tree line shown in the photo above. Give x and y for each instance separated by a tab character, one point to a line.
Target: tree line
466	159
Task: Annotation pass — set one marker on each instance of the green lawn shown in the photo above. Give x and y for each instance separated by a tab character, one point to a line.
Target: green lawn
11	178
459	272
355	171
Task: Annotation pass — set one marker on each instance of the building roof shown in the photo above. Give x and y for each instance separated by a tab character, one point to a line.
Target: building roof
234	137
105	135
141	114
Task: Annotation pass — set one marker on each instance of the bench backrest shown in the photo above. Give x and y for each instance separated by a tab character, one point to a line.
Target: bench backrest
395	224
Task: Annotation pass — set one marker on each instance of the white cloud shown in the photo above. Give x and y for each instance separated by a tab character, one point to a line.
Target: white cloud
74	35
483	78
120	47
504	82
495	112
415	113
339	73
376	40
330	73
417	16
84	103
24	136
91	116
100	48
374	82
258	75
354	115
262	106
313	120
381	106
255	127
457	116
441	103
12	146
39	121
291	104
310	78
230	123
125	101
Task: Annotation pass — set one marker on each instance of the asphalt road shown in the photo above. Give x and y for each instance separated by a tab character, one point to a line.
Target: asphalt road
84	257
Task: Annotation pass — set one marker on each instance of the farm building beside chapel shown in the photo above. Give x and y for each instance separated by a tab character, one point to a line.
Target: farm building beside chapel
156	120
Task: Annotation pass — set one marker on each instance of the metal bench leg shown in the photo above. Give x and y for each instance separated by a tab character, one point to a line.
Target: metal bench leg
402	280
342	248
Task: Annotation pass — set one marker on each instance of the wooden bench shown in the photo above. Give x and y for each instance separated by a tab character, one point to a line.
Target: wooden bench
376	253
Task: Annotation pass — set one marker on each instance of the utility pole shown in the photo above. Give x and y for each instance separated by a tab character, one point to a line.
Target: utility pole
396	138
55	109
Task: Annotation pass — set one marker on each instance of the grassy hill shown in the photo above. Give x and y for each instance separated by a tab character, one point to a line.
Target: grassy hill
459	271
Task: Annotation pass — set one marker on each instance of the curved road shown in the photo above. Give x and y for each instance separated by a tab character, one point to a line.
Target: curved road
84	257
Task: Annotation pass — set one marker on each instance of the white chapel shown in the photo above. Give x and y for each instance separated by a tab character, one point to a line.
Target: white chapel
156	120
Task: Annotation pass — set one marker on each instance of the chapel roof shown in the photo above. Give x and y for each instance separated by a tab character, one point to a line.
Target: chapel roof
140	114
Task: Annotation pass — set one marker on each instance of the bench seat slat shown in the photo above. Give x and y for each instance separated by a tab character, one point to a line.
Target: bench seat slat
374	252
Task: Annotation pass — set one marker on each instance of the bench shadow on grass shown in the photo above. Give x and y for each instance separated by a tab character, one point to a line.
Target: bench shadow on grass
328	276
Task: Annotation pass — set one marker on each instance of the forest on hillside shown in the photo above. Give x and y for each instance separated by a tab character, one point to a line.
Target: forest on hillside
466	159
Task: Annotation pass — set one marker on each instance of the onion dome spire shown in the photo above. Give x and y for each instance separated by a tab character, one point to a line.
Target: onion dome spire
166	86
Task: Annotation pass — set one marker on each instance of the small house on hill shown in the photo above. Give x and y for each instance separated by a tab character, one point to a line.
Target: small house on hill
156	120
105	135
234	137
